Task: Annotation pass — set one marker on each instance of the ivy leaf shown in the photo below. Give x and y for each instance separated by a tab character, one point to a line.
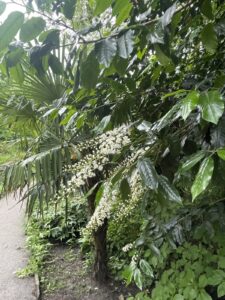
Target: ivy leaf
212	106
148	173
168	15
101	6
168	190
206	9
31	29
126	44
209	38
138	278
69	8
9	28
189	103
203	177
192	161
121	10
89	71
2	7
105	50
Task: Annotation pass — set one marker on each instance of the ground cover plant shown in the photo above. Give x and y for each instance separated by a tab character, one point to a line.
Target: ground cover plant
120	105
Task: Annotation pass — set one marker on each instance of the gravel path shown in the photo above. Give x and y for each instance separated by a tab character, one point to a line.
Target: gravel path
13	255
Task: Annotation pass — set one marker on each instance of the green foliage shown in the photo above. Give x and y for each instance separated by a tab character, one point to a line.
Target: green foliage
154	66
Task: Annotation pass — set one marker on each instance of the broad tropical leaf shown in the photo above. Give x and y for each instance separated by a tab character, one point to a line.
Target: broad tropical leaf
148	173
203	177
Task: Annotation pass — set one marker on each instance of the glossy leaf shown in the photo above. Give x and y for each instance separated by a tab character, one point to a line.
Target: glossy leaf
212	106
105	50
168	15
125	44
192	161
138	278
146	268
32	28
9	28
189	103
168	190
203	177
148	173
121	10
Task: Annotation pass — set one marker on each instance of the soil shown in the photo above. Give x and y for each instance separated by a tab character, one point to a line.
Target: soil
65	278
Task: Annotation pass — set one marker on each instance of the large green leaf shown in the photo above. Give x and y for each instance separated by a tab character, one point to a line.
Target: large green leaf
9	28
148	173
212	106
192	161
32	28
206	9
168	15
69	8
203	177
209	38
168	190
2	7
90	71
189	103
125	44
105	50
121	10
101	6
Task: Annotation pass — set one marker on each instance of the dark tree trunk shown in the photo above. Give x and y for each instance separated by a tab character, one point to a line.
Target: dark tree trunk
100	264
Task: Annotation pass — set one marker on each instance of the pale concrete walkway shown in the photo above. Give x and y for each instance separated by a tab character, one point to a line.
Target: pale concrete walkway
13	255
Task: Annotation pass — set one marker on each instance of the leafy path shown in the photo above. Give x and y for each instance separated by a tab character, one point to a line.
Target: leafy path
13	255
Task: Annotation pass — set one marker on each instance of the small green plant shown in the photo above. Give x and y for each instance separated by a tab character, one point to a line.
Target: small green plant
38	247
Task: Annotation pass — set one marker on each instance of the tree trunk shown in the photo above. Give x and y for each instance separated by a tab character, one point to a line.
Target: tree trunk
100	264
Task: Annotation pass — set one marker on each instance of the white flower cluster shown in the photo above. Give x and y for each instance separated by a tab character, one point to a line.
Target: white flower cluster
125	209
128	247
106	144
103	210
